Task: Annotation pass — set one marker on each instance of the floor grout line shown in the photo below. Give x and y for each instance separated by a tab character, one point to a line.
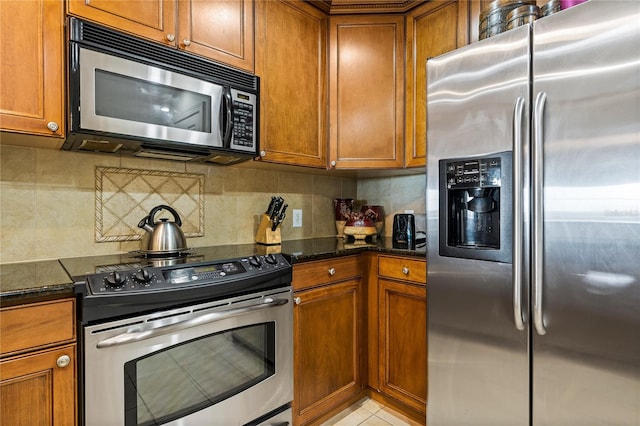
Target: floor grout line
367	412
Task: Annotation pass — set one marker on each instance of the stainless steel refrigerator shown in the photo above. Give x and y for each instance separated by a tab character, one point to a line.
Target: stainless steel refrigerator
533	219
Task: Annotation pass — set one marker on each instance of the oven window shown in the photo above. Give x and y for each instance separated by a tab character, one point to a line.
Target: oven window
177	381
133	99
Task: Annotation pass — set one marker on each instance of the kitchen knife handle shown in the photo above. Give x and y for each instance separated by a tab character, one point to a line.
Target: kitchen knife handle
537	172
518	218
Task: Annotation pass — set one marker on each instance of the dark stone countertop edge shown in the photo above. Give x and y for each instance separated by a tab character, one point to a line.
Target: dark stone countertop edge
43	280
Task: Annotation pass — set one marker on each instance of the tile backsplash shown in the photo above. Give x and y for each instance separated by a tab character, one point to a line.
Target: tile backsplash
125	196
52	205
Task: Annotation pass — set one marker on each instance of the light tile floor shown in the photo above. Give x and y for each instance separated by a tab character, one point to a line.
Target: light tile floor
368	412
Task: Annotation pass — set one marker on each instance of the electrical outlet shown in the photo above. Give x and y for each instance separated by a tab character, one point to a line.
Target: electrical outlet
297	218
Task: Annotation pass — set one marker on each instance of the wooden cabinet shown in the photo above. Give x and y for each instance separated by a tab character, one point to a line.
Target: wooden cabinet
366	86
32	69
152	19
38	364
221	30
291	61
329	351
432	29
398	364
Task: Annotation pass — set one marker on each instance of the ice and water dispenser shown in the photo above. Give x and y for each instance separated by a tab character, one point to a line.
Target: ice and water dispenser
476	207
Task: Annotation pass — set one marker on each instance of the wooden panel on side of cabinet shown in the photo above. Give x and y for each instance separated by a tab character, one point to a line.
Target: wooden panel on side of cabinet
152	19
291	61
36	325
32	68
366	80
329	358
219	30
34	390
432	29
403	342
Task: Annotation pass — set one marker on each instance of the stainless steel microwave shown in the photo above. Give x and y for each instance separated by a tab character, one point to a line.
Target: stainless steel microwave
137	98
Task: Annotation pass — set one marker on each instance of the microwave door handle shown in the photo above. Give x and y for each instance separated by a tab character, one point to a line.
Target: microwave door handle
137	335
227	116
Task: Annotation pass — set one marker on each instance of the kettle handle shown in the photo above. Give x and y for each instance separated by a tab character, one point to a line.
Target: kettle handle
156	209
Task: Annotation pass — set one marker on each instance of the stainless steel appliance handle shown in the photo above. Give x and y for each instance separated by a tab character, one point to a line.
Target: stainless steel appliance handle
228	117
136	335
518	116
537	250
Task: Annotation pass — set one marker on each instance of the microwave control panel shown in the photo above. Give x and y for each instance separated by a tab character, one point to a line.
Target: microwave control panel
244	120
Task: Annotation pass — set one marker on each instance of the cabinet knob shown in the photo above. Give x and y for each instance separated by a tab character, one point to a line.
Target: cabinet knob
171	37
405	270
333	163
63	361
263	153
186	42
53	126
296	300
332	271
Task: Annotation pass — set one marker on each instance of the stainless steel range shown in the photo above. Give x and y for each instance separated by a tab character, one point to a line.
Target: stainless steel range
202	337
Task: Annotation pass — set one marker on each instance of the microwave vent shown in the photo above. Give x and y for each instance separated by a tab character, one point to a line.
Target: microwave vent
90	34
99	146
224	159
166	155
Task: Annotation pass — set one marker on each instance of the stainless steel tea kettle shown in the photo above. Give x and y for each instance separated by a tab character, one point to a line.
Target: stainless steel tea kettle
162	237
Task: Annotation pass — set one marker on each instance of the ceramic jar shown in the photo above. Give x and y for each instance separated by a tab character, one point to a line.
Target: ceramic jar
376	214
342	208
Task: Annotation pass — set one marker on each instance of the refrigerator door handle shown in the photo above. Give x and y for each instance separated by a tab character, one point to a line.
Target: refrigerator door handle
518	219
537	251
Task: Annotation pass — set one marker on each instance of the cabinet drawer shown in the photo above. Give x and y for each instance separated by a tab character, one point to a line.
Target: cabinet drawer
320	272
36	325
402	268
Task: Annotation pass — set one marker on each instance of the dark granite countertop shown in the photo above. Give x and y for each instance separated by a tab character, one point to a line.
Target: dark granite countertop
31	281
323	248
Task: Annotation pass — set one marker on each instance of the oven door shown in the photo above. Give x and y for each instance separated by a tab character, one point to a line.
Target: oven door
118	96
221	363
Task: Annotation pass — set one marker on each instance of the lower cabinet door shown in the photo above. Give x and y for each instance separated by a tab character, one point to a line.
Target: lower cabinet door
39	388
328	348
403	342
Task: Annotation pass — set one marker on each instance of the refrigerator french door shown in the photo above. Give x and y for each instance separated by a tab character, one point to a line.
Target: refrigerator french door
533	219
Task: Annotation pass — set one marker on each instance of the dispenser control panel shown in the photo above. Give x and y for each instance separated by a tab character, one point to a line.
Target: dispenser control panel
476	173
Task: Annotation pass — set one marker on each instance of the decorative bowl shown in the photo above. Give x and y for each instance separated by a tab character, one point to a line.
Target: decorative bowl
360	232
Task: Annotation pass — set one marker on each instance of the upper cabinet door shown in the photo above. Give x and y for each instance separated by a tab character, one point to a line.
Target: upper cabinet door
221	30
152	19
291	61
432	29
366	78
32	68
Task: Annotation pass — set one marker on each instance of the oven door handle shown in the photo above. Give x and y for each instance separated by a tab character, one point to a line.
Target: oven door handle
139	334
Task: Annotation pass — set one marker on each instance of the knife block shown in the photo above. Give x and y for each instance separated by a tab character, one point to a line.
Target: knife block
265	235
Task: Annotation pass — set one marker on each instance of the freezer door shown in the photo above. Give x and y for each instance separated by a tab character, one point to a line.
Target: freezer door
478	358
586	296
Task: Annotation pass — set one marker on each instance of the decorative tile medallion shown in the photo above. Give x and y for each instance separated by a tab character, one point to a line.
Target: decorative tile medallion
125	196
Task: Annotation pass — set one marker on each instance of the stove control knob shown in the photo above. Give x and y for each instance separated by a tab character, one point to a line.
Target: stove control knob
115	280
255	261
271	259
142	276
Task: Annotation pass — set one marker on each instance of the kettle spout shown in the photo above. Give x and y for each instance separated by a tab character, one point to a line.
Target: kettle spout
144	224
